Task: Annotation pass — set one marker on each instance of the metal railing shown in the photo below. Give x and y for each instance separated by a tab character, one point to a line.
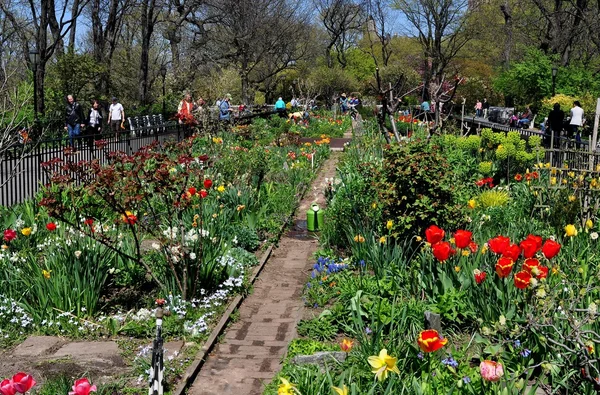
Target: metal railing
21	172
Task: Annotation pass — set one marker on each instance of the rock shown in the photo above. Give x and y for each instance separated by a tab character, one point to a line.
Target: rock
433	321
35	346
320	358
85	350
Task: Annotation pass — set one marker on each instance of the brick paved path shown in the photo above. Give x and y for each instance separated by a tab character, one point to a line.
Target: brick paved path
252	349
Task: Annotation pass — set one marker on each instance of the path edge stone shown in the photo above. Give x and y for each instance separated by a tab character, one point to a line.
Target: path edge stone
192	371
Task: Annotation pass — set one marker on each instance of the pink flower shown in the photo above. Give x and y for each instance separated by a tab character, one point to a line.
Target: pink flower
7	387
9	235
23	382
82	387
491	371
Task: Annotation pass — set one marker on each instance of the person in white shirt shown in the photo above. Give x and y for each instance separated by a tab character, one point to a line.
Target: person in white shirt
576	122
116	114
94	124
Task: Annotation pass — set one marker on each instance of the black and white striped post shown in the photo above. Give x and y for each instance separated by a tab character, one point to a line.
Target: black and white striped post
157	368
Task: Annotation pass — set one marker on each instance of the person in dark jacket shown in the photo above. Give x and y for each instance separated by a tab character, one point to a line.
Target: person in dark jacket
74	119
555	121
94	124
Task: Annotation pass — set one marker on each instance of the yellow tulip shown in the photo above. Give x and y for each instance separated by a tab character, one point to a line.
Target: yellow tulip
286	388
382	240
457	269
570	230
46	273
389	224
553	181
382	364
572	198
472	204
26	231
466	252
221	188
374	205
341	391
589	224
359	239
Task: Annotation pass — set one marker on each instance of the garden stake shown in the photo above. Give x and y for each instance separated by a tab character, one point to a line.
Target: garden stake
157	368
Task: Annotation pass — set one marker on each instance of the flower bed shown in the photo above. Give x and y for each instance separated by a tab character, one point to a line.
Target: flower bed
434	226
179	222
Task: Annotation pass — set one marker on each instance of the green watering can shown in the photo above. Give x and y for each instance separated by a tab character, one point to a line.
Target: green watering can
314	218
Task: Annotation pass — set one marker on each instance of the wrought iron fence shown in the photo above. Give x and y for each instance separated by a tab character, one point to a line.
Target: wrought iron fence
21	173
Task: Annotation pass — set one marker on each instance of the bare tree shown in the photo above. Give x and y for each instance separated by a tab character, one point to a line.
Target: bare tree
46	24
342	20
442	30
259	38
378	29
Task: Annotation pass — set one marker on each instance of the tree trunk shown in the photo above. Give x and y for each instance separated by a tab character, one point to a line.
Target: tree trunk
74	11
245	85
39	88
147	30
508	31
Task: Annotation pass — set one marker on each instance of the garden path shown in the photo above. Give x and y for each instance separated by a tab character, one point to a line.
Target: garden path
250	353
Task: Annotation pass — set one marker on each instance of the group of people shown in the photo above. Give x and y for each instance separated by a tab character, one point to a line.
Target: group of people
348	103
77	123
556	123
482	108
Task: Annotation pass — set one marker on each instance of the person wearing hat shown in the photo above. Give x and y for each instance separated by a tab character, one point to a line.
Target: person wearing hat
344	103
116	114
225	109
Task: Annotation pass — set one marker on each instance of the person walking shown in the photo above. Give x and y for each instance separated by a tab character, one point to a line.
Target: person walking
555	123
185	108
486	107
280	107
94	124
116	114
344	103
478	107
74	120
576	122
225	109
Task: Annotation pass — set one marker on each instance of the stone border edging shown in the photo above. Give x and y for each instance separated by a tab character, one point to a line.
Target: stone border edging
192	371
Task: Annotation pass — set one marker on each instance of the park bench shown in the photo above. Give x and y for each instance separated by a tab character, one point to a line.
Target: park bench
146	124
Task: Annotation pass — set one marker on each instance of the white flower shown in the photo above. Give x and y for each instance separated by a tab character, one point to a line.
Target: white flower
592	308
156	246
77	254
594	235
192	255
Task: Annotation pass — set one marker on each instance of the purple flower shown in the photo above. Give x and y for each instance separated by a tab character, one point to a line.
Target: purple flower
368	330
420	355
466	379
525	353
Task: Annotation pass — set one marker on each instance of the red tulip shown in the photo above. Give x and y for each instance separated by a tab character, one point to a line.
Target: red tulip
504	266
203	194
89	221
442	251
82	387
9	235
479	276
542	272
430	340
203	158
473	247
434	234
530	265
518	177
498	244
7	387
513	252
207	184
537	239
522	279
462	238
529	248
23	382
192	191
550	249
51	226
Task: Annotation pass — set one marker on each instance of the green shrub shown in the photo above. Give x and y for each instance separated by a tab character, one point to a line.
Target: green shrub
246	238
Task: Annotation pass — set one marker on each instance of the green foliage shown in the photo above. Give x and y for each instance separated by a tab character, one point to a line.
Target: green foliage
308	347
246	238
319	328
493	198
417	189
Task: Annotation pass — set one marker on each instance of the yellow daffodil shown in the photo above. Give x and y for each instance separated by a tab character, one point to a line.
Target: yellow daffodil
570	230
341	391
589	224
26	231
547	165
484	249
374	205
553	171
472	204
571	174
240	207
594	183
359	239
572	198
286	388
564	181
552	180
419	238
457	269
555	269
382	364
565	166
221	188
389	224
452	241
382	240
46	273
466	252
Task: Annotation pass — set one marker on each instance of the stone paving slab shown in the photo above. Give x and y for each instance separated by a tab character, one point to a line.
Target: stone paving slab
253	347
